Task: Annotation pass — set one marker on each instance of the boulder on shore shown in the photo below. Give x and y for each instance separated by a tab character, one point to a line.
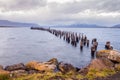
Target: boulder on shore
101	64
65	67
114	56
43	66
53	61
19	66
109	54
102	53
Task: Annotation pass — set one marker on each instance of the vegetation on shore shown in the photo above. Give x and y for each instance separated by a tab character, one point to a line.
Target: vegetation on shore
101	67
92	74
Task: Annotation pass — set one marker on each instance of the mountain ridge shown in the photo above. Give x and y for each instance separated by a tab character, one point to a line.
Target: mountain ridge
7	23
116	26
79	25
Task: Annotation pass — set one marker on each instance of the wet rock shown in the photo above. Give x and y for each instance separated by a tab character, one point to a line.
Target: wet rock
65	67
78	69
19	66
53	61
110	54
101	64
40	66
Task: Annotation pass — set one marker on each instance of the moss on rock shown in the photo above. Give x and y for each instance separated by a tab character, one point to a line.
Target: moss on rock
94	73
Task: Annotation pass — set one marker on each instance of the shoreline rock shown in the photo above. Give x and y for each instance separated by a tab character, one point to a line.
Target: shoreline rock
99	68
19	66
101	64
109	54
65	67
40	66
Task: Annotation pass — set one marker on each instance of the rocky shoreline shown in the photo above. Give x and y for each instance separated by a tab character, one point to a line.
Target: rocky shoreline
106	66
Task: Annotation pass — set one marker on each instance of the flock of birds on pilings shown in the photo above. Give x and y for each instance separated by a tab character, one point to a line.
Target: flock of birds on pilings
75	38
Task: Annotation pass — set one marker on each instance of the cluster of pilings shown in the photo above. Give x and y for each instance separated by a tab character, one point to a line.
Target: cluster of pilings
75	38
70	37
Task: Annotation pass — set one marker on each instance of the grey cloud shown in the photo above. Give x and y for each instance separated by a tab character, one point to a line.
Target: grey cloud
15	5
74	7
65	8
106	5
52	12
96	5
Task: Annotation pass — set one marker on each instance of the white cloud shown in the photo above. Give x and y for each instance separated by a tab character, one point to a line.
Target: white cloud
105	12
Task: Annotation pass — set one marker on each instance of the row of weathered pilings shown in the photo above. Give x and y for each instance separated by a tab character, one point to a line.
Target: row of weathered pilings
69	37
74	38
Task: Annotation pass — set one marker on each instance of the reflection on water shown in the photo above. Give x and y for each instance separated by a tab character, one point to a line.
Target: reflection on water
23	45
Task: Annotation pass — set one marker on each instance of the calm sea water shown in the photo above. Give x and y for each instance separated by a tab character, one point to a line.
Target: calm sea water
24	45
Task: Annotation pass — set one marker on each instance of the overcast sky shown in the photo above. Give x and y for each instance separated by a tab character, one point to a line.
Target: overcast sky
49	12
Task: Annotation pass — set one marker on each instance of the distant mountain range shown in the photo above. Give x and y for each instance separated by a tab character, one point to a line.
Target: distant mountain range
79	26
6	23
116	26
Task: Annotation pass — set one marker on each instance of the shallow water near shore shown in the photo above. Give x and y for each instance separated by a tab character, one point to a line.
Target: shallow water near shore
24	45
